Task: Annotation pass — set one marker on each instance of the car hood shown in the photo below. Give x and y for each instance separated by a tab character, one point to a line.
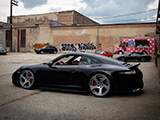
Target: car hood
32	67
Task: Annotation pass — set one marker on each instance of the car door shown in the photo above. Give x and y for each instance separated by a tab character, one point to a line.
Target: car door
65	74
48	49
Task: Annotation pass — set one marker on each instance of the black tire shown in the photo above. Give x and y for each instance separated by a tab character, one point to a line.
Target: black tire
100	85
120	52
27	79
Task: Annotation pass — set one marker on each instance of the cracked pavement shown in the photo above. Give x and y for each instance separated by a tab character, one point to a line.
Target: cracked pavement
17	103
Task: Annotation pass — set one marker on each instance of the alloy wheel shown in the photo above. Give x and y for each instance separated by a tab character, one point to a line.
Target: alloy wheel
100	85
54	52
26	79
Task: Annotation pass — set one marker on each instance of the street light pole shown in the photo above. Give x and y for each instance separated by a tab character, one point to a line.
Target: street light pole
10	42
97	37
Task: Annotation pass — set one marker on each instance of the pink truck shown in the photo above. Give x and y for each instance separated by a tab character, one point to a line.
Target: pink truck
137	44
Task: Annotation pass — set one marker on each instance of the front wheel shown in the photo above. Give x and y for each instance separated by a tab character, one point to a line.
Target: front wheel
27	79
100	85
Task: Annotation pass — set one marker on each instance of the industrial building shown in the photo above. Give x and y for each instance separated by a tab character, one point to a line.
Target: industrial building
68	29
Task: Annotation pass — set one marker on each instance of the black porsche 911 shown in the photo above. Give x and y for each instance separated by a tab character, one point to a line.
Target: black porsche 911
135	56
81	72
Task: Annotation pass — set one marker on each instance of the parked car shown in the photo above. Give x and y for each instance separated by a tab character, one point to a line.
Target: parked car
3	51
105	53
81	72
135	56
47	49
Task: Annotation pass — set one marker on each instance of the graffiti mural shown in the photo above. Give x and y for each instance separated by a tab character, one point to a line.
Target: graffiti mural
80	47
86	46
40	45
68	47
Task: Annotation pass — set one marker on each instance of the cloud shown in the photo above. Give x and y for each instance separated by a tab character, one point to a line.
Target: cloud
91	8
153	4
108	8
33	3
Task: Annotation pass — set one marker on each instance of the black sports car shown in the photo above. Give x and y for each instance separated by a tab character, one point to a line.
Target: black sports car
47	49
84	72
135	56
3	51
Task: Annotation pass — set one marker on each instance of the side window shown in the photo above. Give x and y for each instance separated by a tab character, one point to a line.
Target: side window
87	61
106	52
23	38
47	47
134	54
68	60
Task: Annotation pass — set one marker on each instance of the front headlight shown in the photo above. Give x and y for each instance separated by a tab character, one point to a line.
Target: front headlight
127	72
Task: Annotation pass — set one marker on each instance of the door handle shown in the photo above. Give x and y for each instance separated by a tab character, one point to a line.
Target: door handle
54	67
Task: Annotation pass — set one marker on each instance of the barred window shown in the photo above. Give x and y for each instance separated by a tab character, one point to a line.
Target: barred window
8	41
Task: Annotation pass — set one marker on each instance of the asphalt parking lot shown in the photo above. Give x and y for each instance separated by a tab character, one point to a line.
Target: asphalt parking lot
17	103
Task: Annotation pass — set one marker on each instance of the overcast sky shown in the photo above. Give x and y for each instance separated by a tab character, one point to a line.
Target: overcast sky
102	11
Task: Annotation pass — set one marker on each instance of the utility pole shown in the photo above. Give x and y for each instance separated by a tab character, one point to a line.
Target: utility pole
13	2
97	37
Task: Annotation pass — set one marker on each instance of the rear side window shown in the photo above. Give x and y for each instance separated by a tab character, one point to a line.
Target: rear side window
87	61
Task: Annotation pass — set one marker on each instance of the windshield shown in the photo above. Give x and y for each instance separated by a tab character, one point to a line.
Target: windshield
108	60
100	52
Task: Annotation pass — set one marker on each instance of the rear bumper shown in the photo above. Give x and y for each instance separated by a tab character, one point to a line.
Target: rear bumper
129	82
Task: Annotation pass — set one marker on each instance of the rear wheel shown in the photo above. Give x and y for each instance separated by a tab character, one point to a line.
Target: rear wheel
120	52
54	52
100	85
27	79
145	52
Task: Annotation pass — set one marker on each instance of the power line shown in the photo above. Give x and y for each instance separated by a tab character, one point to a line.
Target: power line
140	19
126	14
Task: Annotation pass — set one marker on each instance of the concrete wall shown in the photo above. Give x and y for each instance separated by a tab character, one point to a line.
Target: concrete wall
2	40
108	36
65	17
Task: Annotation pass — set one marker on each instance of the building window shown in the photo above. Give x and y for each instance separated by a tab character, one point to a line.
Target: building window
8	41
23	38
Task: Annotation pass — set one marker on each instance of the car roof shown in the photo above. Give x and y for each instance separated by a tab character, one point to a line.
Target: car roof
101	58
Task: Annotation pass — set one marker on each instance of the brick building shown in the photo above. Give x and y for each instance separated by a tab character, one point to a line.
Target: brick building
69	28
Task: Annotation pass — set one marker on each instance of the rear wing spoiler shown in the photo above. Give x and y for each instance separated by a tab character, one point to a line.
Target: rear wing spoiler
134	66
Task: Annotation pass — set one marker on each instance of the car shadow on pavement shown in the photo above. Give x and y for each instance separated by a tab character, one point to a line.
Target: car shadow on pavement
139	93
